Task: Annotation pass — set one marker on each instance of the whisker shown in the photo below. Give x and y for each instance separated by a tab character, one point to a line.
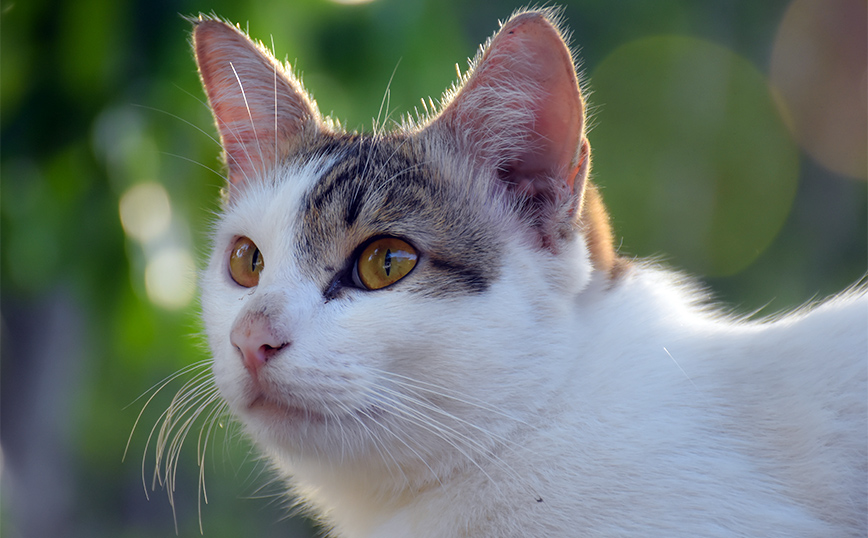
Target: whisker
249	115
378	445
448	415
197	398
403	442
413	409
385	182
156	388
437	390
436	430
386	99
162	417
201	448
182	120
194	161
183	428
174	448
274	71
455	435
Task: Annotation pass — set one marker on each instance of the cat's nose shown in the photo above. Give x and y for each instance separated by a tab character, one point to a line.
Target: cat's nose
257	341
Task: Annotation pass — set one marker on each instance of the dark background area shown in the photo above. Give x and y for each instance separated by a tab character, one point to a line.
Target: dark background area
728	137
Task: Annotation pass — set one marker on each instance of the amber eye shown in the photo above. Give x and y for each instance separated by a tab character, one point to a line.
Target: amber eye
383	262
245	262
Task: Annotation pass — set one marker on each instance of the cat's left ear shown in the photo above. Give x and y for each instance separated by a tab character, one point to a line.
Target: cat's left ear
261	110
520	112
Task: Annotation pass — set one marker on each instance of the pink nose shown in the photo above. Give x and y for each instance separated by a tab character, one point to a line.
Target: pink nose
258	342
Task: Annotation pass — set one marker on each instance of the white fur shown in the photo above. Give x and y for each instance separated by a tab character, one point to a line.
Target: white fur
560	400
555	404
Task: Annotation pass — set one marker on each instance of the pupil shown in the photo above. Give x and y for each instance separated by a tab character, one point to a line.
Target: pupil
254	260
388	263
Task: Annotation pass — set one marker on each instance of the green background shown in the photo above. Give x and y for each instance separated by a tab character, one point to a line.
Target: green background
690	147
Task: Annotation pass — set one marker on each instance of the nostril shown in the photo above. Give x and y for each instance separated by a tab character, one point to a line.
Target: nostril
255	358
266	351
257	340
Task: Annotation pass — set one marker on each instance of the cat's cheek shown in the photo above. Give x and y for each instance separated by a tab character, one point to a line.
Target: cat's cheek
220	308
227	377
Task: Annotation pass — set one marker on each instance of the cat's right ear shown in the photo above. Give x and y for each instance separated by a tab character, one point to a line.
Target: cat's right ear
261	110
520	113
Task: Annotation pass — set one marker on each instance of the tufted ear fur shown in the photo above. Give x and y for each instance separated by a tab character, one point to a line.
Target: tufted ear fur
520	111
261	110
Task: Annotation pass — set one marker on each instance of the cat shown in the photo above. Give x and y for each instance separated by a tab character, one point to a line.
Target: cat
429	332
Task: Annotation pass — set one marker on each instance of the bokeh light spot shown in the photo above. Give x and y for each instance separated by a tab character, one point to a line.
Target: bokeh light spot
170	278
145	211
819	68
692	155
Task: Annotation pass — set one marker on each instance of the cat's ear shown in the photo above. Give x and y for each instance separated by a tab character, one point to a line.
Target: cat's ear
521	112
261	110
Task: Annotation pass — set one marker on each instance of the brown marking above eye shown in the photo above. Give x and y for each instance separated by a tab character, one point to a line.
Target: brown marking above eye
245	262
390	187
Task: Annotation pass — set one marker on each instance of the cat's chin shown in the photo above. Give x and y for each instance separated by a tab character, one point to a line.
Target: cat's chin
269	408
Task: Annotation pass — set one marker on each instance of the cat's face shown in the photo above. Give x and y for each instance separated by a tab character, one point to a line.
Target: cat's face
367	296
313	227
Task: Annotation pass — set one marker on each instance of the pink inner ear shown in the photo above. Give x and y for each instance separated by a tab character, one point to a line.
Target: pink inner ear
523	110
558	114
259	109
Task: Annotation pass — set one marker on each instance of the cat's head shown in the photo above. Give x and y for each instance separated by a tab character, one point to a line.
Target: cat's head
378	298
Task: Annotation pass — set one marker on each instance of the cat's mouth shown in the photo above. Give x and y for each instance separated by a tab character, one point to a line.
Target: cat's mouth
278	409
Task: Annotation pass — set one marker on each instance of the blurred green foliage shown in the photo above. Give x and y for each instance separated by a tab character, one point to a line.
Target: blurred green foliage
100	95
718	168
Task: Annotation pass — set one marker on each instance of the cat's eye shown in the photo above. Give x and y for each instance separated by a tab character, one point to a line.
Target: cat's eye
383	262
245	262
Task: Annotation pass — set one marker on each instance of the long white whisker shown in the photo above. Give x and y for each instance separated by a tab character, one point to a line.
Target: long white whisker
249	115
435	429
156	388
174	447
385	182
386	100
162	417
194	161
173	457
419	411
274	70
444	392
240	141
182	400
450	434
201	448
378	444
391	432
182	120
195	399
450	416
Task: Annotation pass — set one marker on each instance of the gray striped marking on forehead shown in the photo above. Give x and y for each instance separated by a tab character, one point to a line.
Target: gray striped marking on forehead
388	186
